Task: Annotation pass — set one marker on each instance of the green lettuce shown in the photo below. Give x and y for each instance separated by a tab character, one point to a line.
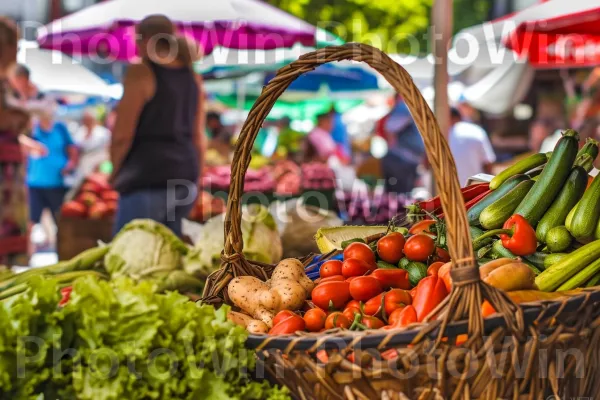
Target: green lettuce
121	340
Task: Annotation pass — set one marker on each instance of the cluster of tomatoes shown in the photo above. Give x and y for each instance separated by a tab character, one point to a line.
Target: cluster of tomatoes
362	292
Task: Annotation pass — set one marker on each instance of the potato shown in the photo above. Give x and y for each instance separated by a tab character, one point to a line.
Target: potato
251	325
248	293
487	268
513	276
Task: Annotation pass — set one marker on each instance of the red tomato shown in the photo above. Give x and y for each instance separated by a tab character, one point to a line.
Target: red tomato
354	303
421	227
315	319
289	325
374	305
334	278
365	287
360	251
403	316
334	293
442	255
390	247
419	247
337	320
355	267
392	278
331	268
282	315
350	311
434	268
372	322
396	298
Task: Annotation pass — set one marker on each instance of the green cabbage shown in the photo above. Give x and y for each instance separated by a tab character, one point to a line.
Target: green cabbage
147	250
261	241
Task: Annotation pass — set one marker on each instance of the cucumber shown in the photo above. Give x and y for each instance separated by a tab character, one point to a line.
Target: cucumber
496	214
560	272
536	171
520	167
348	242
581	277
587	214
540	197
385	265
475	211
484	251
564	202
558	239
403	262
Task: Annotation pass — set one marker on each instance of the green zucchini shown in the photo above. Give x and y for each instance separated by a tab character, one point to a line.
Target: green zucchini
540	197
564	202
538	259
560	272
595	281
587	214
597	233
494	215
475	211
536	171
484	251
581	277
570	216
475	233
589	148
501	251
553	258
520	167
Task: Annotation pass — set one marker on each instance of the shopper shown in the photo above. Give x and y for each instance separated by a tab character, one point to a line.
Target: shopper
13	120
470	146
45	174
319	144
158	141
406	149
93	140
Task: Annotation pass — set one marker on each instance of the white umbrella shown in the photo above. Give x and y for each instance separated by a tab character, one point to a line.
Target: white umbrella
52	71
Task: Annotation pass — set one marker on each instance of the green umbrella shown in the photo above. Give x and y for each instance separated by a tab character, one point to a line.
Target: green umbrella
297	110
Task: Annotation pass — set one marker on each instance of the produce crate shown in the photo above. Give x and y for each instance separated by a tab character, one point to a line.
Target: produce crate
546	349
78	234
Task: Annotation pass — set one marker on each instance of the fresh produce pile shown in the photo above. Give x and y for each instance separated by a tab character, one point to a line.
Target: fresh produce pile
391	282
121	340
95	200
284	178
143	250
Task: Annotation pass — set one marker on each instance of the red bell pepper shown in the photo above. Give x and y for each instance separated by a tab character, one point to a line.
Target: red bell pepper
392	278
430	292
468	193
520	239
475	200
516	235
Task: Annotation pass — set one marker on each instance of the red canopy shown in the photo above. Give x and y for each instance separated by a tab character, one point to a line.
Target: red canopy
556	33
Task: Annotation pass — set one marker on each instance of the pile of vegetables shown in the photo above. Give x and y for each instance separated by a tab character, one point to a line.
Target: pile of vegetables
96	199
392	282
143	250
120	340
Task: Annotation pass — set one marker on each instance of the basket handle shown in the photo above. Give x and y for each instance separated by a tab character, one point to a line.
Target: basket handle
468	287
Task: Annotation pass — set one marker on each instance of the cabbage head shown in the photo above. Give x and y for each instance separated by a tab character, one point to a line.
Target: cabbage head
146	250
261	241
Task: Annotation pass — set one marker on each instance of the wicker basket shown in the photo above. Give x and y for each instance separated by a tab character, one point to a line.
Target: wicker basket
547	349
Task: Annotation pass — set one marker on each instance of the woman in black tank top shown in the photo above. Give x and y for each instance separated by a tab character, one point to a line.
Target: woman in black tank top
158	141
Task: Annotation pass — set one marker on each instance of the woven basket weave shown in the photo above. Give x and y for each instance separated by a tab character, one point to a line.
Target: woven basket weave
544	349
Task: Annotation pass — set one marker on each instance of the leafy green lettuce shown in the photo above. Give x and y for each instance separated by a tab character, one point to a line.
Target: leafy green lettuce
118	340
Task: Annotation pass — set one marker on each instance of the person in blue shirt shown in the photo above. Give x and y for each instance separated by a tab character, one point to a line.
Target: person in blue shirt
46	170
340	134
